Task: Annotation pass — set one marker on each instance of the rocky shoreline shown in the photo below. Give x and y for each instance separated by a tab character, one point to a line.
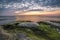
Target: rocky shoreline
28	31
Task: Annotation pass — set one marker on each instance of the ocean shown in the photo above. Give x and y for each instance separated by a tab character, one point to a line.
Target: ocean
6	19
34	18
37	18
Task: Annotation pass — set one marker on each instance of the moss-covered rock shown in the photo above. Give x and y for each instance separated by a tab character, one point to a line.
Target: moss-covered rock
30	31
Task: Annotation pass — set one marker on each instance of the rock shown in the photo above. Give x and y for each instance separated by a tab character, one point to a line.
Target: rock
23	36
17	36
6	36
28	25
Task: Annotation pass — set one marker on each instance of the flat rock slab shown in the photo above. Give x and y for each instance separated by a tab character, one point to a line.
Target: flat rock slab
28	24
22	36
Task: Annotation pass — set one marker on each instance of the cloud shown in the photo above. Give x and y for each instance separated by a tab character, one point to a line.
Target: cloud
43	5
8	6
40	2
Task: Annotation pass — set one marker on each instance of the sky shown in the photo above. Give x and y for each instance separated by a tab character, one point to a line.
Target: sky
11	7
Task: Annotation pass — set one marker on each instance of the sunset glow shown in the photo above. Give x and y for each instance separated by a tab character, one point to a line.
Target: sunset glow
38	12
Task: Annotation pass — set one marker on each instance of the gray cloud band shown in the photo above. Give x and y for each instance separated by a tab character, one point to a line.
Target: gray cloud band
40	2
32	4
